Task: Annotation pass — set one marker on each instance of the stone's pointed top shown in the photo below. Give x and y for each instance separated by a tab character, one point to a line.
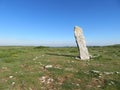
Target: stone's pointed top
77	27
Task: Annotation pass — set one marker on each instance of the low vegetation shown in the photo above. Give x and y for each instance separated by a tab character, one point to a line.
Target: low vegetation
49	68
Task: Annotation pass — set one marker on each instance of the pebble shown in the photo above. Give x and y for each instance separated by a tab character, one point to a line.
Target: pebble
10	76
94	71
117	72
98	86
13	83
77	84
48	66
43	55
49	80
35	58
46	80
30	88
4	68
108	73
42	79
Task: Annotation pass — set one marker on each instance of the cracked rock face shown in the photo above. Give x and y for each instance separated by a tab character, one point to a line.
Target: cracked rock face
81	43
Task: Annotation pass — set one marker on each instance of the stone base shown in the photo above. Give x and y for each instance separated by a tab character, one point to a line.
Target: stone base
78	58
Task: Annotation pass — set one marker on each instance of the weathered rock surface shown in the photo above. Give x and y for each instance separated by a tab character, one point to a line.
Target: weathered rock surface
81	43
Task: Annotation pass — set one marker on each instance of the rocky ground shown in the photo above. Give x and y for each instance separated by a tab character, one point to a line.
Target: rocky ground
46	68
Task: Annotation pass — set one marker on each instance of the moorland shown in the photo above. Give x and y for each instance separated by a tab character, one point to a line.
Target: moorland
55	68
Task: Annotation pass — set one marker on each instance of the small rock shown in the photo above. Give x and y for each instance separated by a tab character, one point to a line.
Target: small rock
30	88
43	55
90	56
35	58
4	68
48	66
117	72
109	84
77	84
112	82
10	76
99	76
108	73
49	80
46	80
98	86
94	71
72	61
42	79
77	58
13	83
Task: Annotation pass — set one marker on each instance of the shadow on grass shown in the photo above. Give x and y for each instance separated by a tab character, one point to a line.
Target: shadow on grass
64	55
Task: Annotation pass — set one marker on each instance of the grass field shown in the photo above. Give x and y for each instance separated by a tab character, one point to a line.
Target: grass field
48	68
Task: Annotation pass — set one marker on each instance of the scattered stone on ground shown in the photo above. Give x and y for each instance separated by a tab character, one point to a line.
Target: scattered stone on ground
30	88
108	73
43	55
94	56
99	73
35	58
13	83
4	68
46	80
48	66
117	72
38	57
10	76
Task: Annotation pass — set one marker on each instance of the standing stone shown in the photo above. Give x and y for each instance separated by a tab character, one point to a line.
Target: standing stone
81	44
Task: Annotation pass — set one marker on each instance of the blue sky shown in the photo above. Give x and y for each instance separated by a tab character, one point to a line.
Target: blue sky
51	22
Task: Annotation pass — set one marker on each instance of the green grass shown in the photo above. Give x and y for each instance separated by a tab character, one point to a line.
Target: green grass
23	68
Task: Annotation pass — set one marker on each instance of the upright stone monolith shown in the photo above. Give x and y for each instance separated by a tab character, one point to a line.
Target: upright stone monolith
81	43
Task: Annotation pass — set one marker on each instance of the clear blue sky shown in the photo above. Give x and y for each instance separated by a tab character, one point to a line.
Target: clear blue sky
51	22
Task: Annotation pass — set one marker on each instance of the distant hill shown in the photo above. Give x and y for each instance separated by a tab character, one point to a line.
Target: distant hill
115	45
